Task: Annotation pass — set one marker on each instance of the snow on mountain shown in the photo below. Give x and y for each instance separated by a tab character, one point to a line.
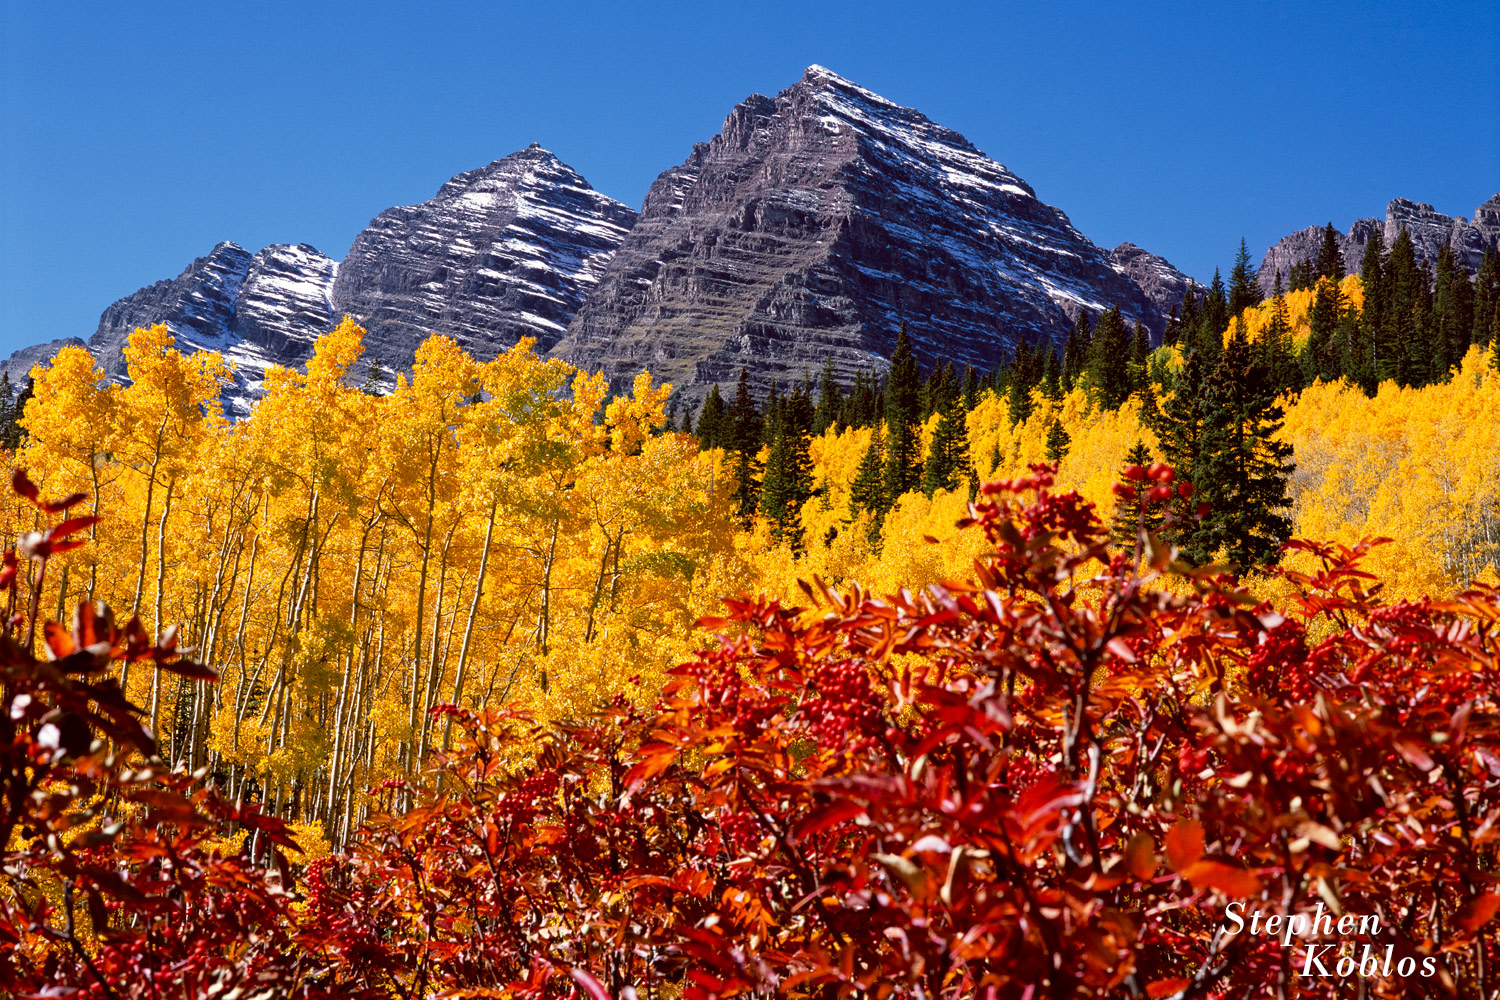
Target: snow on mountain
509	250
816	224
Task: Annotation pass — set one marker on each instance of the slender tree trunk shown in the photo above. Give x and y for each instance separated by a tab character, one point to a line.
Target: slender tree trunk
161	579
463	650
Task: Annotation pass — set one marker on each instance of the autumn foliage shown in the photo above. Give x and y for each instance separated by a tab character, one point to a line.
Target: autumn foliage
1047	780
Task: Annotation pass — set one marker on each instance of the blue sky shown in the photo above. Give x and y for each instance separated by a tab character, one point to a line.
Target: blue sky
133	137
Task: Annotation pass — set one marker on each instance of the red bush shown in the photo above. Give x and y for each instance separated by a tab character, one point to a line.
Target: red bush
1049	781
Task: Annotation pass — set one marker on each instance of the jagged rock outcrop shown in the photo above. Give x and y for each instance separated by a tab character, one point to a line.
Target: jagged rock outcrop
1429	229
255	309
18	366
505	251
285	301
816	224
509	250
1158	280
198	305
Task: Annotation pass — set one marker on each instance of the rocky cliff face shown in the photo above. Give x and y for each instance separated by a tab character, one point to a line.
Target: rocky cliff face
1430	231
18	366
1162	284
816	224
503	252
255	309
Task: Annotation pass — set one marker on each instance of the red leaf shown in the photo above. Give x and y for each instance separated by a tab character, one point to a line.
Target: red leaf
1478	911
65	528
590	985
1184	843
22	484
54	506
1228	879
826	817
1166	987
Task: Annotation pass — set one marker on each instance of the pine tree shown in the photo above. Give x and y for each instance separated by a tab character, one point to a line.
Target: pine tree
1051	384
1178	424
1486	299
10	431
744	441
1372	317
787	483
1244	292
1274	349
1076	352
903	465
830	402
712	421
1320	358
1403	352
948	456
1023	375
1213	321
1125	526
1330	257
1140	358
1107	377
867	491
1058	441
1242	467
1452	312
372	384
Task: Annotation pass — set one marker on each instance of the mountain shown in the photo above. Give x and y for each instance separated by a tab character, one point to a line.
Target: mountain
256	309
19	364
818	222
503	252
813	226
506	251
1430	231
1158	280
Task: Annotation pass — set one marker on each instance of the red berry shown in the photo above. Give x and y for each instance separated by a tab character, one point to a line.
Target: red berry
1184	489
1160	492
1135	473
1203	509
1124	491
1161	472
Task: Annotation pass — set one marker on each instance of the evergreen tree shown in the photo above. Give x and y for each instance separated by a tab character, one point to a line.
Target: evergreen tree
10	431
1486	299
15	434
971	388
1051	375
1213	321
1330	257
1023	376
1140	358
948	455
903	463
1107	377
1244	292
1125	526
1076	352
830	402
1274	349
787	483
1058	441
1178	421
712	421
744	442
867	491
1402	352
372	378
1452	313
1372	317
1320	357
1242	468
